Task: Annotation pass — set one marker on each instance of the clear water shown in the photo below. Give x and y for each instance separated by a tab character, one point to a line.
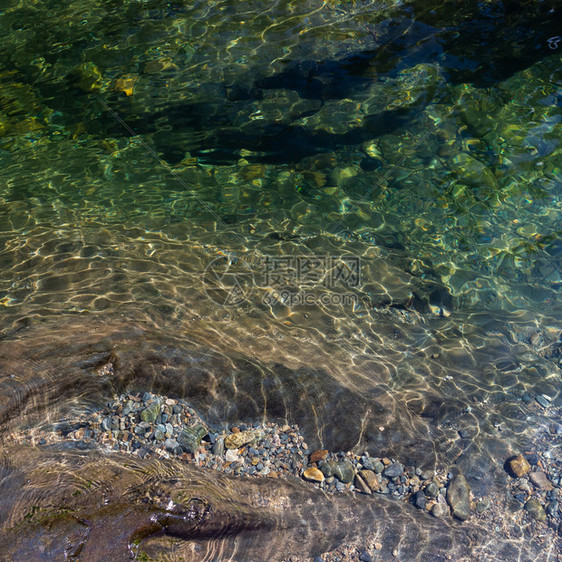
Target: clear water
142	143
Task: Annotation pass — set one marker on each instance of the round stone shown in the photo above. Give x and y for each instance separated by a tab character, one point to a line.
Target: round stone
313	474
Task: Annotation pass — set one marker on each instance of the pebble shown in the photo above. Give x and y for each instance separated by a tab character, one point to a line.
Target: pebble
318	455
394	470
313	474
541	399
438	510
535	510
370	479
432	490
361	485
231	455
482	505
150	413
218	447
239	439
552	508
426	475
519	465
420	500
248	450
540	480
191	437
458	496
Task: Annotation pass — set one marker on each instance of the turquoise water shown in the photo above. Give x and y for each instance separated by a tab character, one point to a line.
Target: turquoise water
142	143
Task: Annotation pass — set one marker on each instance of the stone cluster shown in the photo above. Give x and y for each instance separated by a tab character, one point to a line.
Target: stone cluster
148	425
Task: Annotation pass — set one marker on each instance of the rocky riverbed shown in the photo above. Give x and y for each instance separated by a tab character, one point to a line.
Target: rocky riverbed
149	426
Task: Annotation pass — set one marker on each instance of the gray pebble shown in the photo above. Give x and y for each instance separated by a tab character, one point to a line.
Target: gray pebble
542	401
420	500
394	470
218	447
432	490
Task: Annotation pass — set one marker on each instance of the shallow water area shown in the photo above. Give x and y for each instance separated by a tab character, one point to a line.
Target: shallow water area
341	216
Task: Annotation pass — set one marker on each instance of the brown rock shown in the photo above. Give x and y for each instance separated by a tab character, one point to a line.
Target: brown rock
519	465
386	461
371	479
318	455
361	485
313	474
540	480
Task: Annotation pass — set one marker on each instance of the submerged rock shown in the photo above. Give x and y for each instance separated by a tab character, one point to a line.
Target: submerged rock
191	437
371	480
318	455
458	496
342	470
237	440
150	413
394	470
519	465
361	485
535	510
313	474
541	481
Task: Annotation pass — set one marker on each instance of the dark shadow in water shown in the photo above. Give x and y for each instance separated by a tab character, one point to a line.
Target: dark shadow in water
472	43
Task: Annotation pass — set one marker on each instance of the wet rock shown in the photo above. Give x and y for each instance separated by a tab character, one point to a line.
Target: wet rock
458	496
552	508
218	447
313	474
438	510
367	462
361	485
519	466
520	497
535	510
171	444
524	486
190	438
371	479
541	481
318	455
365	557
432	490
150	413
378	467
420	500
427	474
232	455
344	472
542	400
394	470
237	440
